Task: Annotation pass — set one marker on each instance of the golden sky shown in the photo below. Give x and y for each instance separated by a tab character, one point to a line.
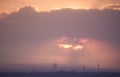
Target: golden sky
47	5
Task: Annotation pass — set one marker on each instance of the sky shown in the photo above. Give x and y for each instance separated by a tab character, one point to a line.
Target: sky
68	36
9	6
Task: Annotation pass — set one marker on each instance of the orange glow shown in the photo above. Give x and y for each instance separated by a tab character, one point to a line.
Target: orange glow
69	43
84	40
48	5
70	46
63	39
78	47
66	46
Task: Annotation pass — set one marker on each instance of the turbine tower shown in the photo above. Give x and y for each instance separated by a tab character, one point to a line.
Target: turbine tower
98	67
55	67
83	68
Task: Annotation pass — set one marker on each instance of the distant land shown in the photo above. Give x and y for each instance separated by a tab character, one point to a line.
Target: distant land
60	74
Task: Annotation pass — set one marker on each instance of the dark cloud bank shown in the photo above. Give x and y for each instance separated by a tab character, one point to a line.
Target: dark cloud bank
29	25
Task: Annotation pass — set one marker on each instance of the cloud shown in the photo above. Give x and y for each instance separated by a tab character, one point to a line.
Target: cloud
11	5
112	6
96	24
93	52
32	35
3	15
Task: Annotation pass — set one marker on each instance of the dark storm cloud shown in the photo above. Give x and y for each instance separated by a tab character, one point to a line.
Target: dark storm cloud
27	25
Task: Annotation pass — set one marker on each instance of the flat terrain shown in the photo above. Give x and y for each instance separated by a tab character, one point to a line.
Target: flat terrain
60	74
